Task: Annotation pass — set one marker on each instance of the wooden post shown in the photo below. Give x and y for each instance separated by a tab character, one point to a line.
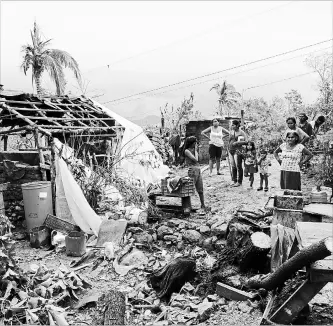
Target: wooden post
40	152
3	187
5	142
53	175
242	118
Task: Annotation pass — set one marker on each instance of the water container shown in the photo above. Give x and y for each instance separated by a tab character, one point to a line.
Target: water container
76	244
37	199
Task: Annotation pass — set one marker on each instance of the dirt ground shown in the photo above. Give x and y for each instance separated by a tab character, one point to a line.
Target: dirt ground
223	200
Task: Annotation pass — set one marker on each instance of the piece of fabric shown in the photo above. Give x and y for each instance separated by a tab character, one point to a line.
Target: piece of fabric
250	168
290	180
236	167
291	157
216	137
263	177
74	201
195	173
263	165
215	152
283	239
189	161
307	128
233	137
138	157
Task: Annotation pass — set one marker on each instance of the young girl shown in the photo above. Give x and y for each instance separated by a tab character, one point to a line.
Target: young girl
250	161
191	161
263	164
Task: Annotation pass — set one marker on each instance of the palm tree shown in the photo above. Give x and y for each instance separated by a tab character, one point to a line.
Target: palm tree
42	59
228	98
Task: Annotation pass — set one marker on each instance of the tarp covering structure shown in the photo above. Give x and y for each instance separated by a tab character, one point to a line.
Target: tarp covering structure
139	158
71	204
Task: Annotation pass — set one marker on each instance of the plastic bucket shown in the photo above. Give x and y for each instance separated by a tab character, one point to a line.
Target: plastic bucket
39	237
37	199
76	244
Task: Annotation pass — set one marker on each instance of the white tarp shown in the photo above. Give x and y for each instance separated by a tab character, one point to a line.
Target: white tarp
139	158
71	204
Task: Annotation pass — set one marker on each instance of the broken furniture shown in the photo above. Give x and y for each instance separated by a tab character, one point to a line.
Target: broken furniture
185	191
318	273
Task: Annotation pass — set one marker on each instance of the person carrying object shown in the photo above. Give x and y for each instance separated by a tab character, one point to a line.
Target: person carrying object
194	171
235	157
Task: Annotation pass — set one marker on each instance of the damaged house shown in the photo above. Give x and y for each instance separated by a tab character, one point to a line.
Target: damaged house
39	134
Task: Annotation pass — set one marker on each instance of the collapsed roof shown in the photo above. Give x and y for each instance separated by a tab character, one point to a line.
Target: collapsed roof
55	116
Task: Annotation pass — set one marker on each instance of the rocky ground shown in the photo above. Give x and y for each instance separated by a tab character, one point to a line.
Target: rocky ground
166	240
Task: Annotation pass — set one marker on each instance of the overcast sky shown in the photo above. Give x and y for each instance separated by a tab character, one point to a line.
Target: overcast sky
150	44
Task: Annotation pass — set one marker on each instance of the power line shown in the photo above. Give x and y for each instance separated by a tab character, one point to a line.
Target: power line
218	72
209	80
207	31
281	80
261	85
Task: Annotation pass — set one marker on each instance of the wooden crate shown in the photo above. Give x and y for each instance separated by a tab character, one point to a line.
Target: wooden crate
185	190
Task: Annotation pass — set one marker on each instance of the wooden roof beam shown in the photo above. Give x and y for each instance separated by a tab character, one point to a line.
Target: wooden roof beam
27	120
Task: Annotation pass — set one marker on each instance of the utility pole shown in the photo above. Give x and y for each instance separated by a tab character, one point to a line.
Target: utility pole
332	48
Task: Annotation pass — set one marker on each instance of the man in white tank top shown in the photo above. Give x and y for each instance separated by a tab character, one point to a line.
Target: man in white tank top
215	144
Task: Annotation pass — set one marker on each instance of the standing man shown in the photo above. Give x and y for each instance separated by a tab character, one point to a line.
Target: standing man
234	153
305	125
316	124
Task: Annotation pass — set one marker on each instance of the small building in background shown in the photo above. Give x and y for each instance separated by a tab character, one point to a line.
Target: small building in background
195	127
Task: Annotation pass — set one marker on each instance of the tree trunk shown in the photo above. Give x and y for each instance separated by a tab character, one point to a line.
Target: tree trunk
305	257
38	82
253	254
115	309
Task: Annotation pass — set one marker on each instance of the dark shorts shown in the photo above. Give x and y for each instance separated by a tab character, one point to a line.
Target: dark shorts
214	152
194	172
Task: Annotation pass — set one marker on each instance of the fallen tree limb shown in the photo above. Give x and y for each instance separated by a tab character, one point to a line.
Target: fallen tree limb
304	257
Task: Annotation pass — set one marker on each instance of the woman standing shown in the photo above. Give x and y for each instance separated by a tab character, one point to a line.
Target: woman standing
291	123
290	160
215	144
191	161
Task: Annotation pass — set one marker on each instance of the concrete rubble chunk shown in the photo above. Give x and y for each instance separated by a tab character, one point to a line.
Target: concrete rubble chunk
205	308
219	229
204	229
163	230
192	236
143	237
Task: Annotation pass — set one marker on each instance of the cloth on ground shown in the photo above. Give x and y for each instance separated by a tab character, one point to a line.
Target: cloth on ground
176	182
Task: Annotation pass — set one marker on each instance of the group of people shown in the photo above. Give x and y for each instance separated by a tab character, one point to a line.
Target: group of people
291	154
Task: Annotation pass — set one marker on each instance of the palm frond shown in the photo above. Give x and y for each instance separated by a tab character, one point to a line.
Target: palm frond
215	87
67	61
56	73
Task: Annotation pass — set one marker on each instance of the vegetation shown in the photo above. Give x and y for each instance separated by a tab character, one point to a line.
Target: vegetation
173	118
40	59
229	99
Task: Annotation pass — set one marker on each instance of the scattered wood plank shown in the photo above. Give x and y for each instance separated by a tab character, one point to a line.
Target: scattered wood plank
325	209
232	293
296	302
